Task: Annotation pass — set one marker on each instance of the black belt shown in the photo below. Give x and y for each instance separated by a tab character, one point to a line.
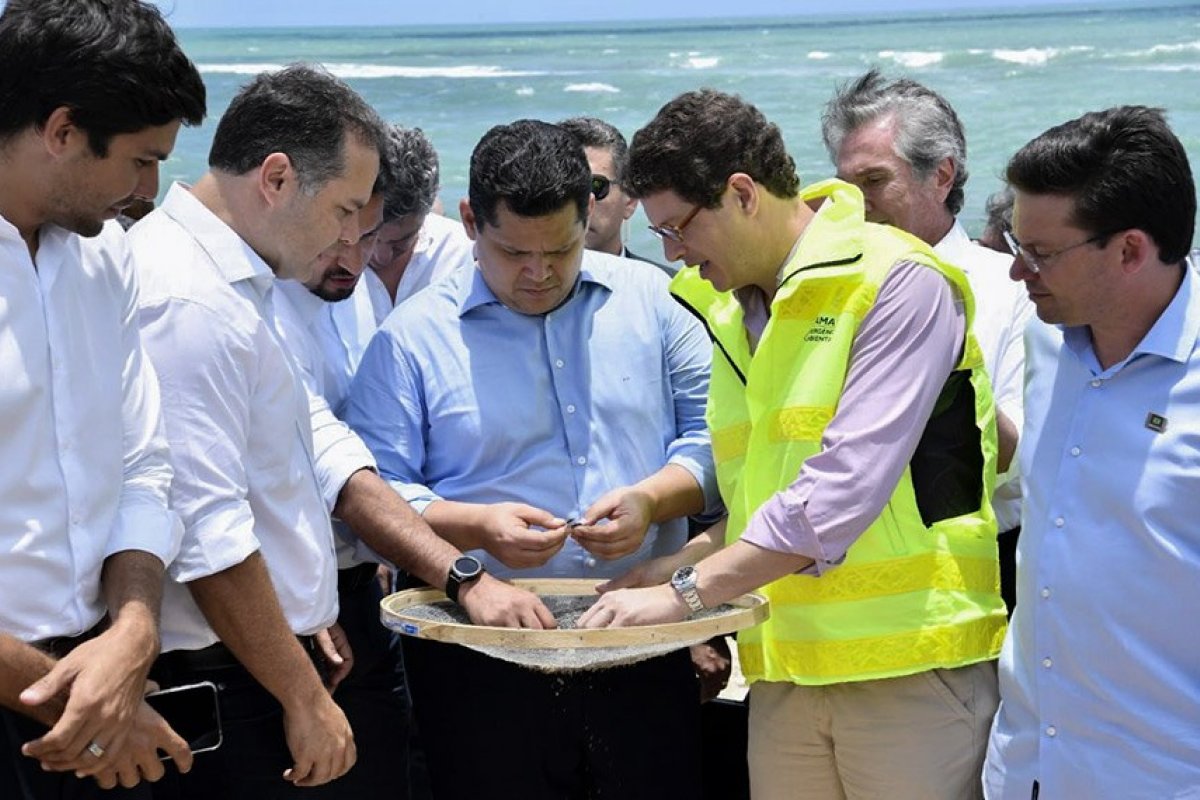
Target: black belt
354	578
59	646
217	656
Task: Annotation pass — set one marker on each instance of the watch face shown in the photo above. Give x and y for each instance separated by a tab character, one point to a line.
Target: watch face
467	567
684	576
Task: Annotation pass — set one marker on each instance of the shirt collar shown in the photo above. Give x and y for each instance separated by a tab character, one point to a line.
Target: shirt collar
234	259
474	291
955	240
1173	335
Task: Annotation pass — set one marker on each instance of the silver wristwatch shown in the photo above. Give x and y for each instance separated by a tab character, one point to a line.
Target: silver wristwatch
684	581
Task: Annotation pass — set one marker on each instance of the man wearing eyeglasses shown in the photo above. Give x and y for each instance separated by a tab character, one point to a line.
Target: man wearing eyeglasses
608	155
854	443
902	144
1098	674
544	411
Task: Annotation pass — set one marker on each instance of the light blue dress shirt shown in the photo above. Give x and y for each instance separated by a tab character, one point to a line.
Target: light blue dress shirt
1100	673
462	398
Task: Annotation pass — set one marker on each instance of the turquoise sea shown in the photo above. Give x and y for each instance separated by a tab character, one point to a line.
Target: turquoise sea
1010	75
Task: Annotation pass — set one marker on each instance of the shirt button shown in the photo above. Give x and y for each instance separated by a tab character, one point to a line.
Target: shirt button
1051	731
581	460
1045	592
1075	451
570	409
560	363
1047	663
1096	383
1058	523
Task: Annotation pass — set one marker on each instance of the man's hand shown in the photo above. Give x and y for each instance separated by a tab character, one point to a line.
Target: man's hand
320	741
103	681
493	602
139	761
629	512
335	649
506	534
635	607
714	664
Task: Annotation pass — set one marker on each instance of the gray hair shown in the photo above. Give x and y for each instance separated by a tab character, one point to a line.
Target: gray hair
927	129
594	132
999	209
409	173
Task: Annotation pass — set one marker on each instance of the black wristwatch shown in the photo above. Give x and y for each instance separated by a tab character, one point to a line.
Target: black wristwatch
464	570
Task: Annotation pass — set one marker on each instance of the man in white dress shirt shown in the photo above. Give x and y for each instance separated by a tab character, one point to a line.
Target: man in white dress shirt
902	144
293	162
84	525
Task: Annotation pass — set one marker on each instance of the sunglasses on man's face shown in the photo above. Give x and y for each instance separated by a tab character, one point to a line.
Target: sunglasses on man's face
601	186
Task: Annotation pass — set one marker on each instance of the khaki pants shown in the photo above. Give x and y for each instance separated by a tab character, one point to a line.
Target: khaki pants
920	737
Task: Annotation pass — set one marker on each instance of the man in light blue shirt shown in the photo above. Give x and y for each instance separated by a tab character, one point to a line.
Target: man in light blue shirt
1098	677
546	412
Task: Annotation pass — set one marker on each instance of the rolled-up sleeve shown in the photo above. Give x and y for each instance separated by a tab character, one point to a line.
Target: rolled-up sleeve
914	330
386	409
143	521
205	368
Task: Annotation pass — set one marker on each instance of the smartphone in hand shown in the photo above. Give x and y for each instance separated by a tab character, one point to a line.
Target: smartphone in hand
193	712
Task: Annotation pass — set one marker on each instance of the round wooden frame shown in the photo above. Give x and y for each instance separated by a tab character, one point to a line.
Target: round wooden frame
748	610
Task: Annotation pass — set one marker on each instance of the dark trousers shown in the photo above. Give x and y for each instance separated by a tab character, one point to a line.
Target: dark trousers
1006	543
21	777
253	755
377	708
495	729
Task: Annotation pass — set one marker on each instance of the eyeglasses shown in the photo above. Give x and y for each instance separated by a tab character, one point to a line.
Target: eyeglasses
1037	263
601	186
674	232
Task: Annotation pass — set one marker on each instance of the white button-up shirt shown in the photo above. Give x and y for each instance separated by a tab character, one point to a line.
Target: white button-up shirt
84	470
339	451
1002	310
237	418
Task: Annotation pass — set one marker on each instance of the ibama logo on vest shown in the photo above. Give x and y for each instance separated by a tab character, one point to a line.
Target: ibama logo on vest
821	330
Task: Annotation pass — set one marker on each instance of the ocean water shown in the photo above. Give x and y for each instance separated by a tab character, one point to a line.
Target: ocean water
1009	75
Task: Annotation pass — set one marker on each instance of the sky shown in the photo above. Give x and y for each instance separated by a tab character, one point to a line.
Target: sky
260	13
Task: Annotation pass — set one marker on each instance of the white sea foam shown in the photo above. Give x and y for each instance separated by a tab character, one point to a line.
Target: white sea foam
1036	56
1031	56
819	55
1163	68
1160	49
380	70
591	87
702	62
524	91
913	58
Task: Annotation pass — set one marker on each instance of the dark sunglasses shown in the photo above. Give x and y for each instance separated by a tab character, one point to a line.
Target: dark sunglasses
601	186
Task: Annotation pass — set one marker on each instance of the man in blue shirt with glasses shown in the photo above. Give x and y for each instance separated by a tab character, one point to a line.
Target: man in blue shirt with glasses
1098	674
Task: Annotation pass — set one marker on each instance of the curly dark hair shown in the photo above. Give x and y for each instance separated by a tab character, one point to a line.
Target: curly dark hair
536	168
699	139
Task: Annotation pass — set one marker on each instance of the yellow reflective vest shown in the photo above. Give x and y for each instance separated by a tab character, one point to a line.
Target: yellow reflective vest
909	596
